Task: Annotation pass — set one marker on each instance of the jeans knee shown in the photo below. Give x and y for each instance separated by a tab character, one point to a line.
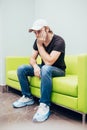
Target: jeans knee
20	69
45	70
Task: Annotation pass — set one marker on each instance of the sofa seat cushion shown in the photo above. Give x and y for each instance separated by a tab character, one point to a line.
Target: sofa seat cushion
12	75
35	82
67	85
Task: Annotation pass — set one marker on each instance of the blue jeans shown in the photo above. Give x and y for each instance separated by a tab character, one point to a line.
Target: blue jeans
47	72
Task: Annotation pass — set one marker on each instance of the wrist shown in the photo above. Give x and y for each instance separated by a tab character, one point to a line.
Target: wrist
40	42
35	65
40	45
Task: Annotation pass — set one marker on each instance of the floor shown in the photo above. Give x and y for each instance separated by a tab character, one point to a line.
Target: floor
15	119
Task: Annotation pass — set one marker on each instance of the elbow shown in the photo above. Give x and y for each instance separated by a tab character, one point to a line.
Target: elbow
49	62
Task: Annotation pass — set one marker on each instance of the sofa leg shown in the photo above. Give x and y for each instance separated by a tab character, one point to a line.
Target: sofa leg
3	88
7	88
83	119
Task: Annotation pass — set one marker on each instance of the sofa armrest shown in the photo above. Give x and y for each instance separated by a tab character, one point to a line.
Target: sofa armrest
13	62
82	83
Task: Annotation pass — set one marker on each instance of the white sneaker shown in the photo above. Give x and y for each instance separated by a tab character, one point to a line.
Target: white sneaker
23	101
42	113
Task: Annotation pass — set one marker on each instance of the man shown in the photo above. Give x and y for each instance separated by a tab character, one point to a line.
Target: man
51	49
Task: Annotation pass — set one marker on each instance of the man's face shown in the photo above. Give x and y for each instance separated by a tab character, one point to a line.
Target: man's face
41	33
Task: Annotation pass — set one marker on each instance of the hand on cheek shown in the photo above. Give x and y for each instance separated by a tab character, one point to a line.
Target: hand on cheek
41	38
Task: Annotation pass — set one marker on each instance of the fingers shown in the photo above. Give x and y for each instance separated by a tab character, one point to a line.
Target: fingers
41	37
37	74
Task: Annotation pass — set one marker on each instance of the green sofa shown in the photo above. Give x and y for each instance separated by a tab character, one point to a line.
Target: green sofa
69	91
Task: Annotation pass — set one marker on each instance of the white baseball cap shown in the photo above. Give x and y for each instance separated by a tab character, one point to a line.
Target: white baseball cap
38	24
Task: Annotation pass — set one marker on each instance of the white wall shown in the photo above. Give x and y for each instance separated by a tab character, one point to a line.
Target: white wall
16	17
67	18
0	42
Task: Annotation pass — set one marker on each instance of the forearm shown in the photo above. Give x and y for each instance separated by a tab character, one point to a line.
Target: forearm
44	55
35	66
33	62
33	58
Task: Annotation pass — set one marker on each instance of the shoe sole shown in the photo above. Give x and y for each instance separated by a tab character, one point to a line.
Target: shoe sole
24	105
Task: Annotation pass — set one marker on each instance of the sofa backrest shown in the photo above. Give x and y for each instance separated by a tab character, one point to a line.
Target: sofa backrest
71	64
39	60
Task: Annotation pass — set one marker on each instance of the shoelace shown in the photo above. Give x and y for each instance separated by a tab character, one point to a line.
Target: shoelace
23	98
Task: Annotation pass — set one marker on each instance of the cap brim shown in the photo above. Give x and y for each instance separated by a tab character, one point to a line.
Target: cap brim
35	28
30	30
